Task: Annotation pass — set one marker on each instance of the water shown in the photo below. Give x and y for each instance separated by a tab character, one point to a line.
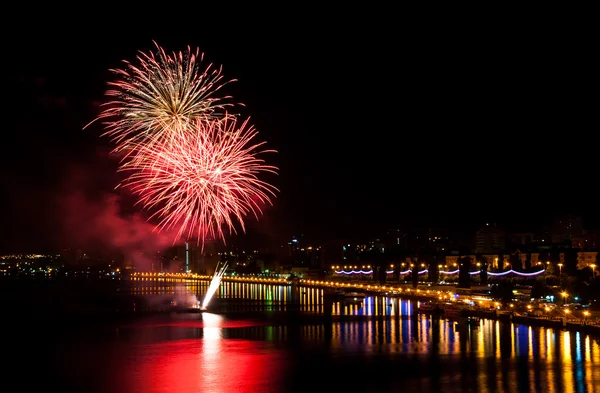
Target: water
278	341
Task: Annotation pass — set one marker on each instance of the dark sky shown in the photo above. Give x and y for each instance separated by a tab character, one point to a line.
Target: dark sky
376	125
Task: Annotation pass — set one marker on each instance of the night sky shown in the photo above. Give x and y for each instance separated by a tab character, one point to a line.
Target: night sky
375	128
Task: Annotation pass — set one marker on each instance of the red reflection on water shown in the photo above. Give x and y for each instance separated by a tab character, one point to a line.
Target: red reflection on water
197	321
195	366
208	365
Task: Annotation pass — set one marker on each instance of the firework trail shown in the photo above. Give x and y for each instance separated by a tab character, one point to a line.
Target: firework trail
214	285
204	182
157	98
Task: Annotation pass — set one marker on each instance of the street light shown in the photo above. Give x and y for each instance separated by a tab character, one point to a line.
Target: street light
560	273
593	270
564	295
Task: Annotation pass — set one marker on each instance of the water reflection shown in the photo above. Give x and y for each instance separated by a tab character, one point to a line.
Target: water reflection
425	353
211	350
431	354
191	366
267	297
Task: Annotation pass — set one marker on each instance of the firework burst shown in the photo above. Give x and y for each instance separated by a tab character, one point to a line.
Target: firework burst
205	181
160	96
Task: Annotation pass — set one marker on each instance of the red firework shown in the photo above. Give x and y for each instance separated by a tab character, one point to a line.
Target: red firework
205	181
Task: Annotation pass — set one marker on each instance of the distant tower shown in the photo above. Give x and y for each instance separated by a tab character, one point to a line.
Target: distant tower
187	258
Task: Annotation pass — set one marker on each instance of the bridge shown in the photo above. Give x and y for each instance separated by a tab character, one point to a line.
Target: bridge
448	293
404	290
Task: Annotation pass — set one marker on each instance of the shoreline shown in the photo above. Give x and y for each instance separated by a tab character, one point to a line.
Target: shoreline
293	316
561	323
78	304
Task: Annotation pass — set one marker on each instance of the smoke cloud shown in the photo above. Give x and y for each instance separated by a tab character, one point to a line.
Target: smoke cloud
106	223
90	223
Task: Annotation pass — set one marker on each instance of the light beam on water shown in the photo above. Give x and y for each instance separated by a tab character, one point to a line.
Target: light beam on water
214	285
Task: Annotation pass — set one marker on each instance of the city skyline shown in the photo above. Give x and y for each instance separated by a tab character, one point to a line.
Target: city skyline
450	136
435	219
557	233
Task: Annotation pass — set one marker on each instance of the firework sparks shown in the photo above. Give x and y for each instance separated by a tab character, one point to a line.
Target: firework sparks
187	159
204	182
159	97
214	285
